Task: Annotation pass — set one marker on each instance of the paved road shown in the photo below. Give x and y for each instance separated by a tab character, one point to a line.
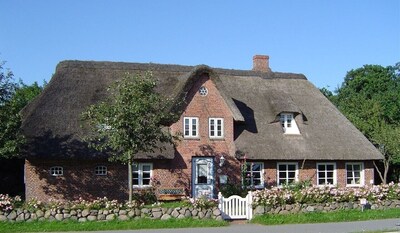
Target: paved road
344	227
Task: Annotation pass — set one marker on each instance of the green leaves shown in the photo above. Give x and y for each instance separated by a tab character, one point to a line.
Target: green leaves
13	98
370	98
130	121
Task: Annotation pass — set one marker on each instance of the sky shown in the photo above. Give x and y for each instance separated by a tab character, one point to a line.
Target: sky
319	38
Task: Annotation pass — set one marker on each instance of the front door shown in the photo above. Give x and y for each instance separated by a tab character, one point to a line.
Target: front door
203	177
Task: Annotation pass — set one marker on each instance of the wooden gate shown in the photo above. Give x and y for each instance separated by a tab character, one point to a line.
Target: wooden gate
236	207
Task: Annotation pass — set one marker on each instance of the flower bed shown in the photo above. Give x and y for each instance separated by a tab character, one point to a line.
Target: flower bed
325	194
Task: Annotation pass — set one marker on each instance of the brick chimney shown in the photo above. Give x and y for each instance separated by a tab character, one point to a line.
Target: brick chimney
261	63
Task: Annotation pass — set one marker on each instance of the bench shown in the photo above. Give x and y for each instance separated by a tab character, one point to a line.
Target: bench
171	194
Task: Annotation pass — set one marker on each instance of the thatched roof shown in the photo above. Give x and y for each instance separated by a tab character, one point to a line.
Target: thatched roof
51	122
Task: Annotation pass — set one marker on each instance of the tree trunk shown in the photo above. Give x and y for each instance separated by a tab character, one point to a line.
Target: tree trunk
385	168
130	184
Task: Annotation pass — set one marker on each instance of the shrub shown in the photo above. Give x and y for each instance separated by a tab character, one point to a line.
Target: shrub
8	203
228	190
202	202
322	194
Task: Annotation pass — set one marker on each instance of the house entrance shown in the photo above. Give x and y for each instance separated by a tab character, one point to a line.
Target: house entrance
203	177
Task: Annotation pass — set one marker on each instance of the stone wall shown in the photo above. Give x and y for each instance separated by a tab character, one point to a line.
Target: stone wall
83	215
323	207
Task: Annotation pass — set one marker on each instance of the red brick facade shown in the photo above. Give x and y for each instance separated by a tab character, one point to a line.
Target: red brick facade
79	179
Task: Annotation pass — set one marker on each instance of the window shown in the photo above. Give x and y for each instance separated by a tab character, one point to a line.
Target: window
100	170
254	175
288	124
191	125
142	173
216	127
56	171
326	174
287	173
354	174
203	91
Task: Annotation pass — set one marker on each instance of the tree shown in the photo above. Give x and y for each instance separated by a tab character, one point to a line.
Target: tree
13	97
370	98
129	121
7	84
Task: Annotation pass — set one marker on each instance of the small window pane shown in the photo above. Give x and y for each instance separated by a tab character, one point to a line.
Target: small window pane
100	170
56	171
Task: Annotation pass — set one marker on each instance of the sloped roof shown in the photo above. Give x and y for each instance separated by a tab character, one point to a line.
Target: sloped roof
51	122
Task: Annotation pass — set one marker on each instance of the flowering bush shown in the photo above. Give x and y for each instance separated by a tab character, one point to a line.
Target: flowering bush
203	202
322	194
8	203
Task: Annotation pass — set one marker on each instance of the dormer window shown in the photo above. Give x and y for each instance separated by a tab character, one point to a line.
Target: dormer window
288	123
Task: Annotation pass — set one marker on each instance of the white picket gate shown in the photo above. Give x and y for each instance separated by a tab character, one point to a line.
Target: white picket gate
236	207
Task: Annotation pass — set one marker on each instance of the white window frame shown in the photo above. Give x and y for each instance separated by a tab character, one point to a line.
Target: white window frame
100	170
190	125
56	171
288	123
296	174
140	173
251	172
334	178
217	133
361	164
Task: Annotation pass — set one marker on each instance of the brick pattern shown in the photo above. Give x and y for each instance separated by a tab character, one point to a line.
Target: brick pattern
307	171
78	180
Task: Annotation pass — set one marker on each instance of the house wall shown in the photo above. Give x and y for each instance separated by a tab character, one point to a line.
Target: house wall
203	107
308	171
78	180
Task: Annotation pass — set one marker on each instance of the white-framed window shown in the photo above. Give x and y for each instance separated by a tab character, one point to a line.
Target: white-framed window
56	171
355	174
287	173
100	170
191	127
288	124
216	127
254	175
203	91
142	173
326	173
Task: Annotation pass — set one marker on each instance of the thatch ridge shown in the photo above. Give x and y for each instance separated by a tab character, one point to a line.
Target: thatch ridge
255	99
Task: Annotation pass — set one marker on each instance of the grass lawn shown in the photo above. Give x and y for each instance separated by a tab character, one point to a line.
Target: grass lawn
46	226
339	216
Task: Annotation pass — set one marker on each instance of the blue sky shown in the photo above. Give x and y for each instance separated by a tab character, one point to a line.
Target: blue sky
321	39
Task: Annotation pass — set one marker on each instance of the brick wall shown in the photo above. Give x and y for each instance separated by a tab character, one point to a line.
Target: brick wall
78	180
307	171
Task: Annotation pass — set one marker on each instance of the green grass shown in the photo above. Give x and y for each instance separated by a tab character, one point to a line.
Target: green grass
46	226
339	216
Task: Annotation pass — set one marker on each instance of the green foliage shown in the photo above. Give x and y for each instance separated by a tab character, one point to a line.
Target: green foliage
145	196
13	98
230	189
370	98
130	120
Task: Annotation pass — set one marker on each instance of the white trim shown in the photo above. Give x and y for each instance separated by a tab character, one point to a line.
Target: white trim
362	178
140	172
190	127
326	175
296	175
56	171
216	131
100	170
288	123
261	185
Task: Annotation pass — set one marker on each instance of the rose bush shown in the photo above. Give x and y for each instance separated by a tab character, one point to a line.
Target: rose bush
322	194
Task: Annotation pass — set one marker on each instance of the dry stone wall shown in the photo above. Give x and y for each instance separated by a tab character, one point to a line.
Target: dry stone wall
323	207
107	215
